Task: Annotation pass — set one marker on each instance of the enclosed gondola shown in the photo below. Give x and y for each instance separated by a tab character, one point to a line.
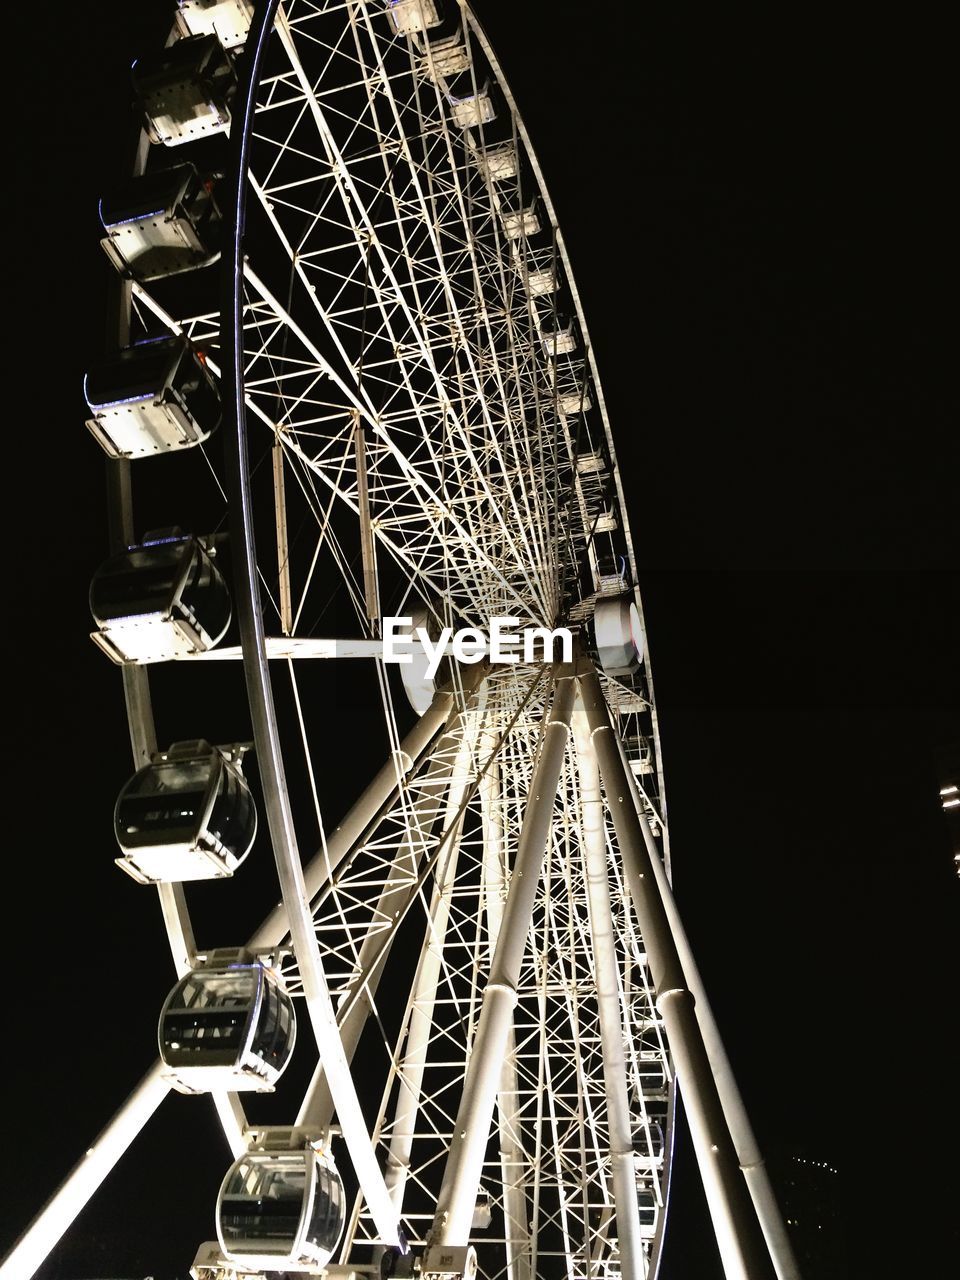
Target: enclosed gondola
162	223
648	1210
281	1210
188	815
619	634
185	90
159	600
227	1025
151	398
229	20
647	1143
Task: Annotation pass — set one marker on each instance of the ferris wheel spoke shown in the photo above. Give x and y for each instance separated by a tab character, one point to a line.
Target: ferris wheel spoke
353	201
416	481
432	218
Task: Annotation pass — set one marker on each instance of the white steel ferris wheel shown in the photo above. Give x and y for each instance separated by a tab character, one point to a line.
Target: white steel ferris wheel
337	248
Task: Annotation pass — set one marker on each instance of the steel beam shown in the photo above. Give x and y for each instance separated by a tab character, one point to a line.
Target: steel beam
514	1161
597	877
461	1178
73	1194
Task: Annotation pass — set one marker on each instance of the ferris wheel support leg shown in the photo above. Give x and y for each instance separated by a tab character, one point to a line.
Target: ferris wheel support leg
741	1131
513	1158
81	1183
734	1221
461	1179
597	876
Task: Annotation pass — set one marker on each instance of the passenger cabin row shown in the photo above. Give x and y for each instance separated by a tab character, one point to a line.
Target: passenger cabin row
229	1024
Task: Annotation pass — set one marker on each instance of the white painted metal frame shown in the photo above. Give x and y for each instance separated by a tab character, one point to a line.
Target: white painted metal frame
389	286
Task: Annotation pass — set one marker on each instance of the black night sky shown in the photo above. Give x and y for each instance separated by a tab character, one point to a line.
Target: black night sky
760	217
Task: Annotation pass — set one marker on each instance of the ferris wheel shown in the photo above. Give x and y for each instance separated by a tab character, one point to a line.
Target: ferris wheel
354	414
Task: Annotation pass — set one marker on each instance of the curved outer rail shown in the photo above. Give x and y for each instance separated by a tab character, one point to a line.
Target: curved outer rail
256	670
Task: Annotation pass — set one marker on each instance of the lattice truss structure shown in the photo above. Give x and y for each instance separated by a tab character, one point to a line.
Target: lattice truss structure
431	429
405	287
424	893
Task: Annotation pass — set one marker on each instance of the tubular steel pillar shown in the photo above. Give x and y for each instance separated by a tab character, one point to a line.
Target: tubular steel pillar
461	1178
514	1163
738	1122
84	1179
596	875
731	1210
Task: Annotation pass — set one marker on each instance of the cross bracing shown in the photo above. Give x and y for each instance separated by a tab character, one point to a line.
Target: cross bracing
422	398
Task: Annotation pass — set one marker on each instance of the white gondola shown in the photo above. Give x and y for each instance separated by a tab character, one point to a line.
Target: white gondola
188	815
412	16
281	1210
159	600
520	222
539	274
566	376
228	20
619	635
151	398
185	90
227	1025
558	334
161	224
445	54
470	106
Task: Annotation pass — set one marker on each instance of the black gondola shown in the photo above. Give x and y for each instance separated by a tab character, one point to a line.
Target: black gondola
162	223
185	90
647	1143
651	1076
188	815
647	1211
281	1208
227	1025
151	398
159	600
